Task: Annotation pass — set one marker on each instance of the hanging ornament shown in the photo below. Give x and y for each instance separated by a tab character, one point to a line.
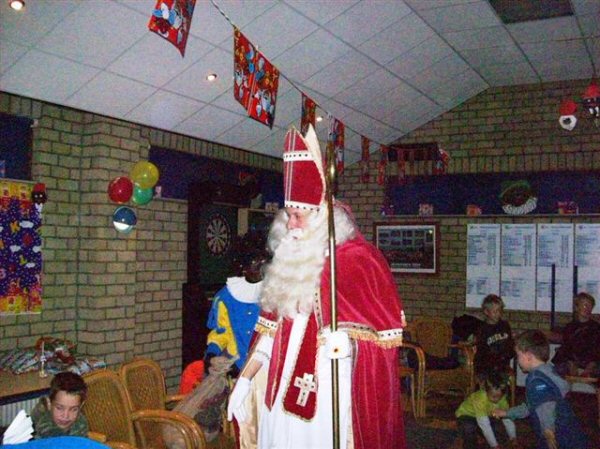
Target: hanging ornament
567	111
383	151
364	160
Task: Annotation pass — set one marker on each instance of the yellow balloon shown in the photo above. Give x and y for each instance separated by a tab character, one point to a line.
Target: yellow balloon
144	174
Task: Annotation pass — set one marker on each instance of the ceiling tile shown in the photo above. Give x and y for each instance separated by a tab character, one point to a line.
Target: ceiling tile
227	101
26	78
30	25
164	110
299	62
420	5
366	19
594	48
82	34
278	29
369	89
494	36
321	12
583	7
272	145
468	16
192	81
493	55
245	133
209	122
397	39
342	73
508	74
110	92
289	108
590	24
140	62
556	51
9	54
420	57
545	30
567	68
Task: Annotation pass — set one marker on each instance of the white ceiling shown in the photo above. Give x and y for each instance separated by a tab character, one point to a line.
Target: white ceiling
383	67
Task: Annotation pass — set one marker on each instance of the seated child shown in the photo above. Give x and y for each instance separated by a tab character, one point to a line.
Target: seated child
59	414
495	345
551	415
474	413
579	354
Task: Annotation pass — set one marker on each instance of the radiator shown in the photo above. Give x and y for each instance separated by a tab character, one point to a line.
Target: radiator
9	411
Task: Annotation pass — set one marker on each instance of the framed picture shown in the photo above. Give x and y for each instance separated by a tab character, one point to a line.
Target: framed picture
409	247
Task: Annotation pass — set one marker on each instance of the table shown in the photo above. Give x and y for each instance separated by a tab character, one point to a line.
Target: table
20	387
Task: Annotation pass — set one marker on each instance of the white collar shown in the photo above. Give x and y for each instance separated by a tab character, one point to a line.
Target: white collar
244	291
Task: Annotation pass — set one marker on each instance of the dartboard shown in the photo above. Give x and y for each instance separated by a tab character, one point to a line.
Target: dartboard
218	235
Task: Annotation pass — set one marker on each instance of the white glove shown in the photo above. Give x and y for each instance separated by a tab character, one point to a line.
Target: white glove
236	400
337	345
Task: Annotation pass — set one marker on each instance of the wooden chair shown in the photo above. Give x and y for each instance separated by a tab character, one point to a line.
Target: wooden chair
416	377
108	411
434	337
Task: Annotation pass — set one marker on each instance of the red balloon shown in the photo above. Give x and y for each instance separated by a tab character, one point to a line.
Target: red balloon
120	189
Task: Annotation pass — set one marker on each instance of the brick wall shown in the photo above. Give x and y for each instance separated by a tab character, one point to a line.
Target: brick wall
118	296
504	129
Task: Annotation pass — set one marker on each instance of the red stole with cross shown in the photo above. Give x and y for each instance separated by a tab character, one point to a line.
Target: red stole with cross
300	396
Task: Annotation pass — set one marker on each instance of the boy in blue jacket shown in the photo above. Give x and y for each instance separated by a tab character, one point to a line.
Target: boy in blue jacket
551	415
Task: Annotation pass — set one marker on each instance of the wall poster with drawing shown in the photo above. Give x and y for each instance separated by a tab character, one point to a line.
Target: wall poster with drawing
409	247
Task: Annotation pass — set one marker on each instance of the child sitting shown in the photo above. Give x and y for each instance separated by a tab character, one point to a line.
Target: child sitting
474	413
495	345
59	414
553	419
579	354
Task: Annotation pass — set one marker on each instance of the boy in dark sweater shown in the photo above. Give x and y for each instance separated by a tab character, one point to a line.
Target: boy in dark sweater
579	354
494	342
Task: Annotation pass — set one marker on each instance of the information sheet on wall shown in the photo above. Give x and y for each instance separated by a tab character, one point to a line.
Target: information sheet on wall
517	266
555	247
587	258
483	262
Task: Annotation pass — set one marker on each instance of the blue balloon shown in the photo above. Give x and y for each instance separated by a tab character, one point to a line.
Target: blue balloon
124	219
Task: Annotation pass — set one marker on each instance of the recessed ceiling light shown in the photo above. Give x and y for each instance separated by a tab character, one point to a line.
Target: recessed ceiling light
319	118
17	5
211	77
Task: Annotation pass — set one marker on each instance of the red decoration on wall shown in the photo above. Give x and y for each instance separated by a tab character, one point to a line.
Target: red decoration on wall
364	160
336	138
382	164
308	113
171	20
256	80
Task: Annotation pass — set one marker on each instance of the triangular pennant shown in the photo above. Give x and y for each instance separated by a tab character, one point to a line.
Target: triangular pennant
383	160
256	80
172	19
308	113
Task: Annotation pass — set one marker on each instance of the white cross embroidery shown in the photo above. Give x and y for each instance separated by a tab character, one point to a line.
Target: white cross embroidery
306	385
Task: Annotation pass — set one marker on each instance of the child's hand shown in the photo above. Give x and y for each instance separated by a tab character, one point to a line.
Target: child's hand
499	413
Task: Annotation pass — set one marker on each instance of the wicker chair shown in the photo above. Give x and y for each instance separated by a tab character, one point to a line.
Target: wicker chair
109	412
416	377
434	337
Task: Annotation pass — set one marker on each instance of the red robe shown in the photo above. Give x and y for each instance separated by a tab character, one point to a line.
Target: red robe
369	310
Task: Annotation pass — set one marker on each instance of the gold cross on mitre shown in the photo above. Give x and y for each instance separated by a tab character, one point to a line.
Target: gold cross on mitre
307	386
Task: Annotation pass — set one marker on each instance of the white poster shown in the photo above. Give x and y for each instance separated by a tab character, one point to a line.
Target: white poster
517	270
587	258
555	247
483	262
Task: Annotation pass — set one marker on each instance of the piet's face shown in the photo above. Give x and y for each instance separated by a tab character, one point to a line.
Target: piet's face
65	409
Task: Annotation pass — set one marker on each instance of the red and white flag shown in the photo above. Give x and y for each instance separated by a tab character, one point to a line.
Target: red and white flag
365	143
336	138
308	113
171	20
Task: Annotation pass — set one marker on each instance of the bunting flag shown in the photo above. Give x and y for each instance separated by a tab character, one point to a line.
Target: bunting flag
20	250
364	159
336	138
171	19
383	160
441	163
308	113
401	166
256	80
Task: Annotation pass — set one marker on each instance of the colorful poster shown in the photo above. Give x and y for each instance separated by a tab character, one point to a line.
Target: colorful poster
308	113
256	80
20	250
171	20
